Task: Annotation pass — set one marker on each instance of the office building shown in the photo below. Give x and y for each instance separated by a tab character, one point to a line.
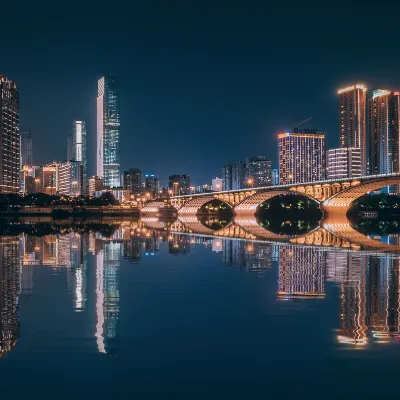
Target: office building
352	102
95	185
205	188
179	184
151	184
133	180
275	176
79	140
302	156
344	163
70	176
26	149
216	184
384	125
47	178
9	136
234	176
258	172
108	131
27	180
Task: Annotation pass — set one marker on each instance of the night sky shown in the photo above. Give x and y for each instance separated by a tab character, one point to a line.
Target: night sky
202	83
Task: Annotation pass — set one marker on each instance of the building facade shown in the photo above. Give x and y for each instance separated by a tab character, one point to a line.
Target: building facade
151	184
26	149
343	163
234	176
302	156
179	184
216	184
384	124
108	131
352	102
133	180
48	178
70	180
275	176
258	172
95	185
9	136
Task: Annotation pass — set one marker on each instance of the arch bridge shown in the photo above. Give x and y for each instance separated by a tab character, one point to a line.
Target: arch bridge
333	196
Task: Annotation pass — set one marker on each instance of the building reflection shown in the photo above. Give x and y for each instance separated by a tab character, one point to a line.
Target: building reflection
9	293
369	297
67	251
301	273
107	252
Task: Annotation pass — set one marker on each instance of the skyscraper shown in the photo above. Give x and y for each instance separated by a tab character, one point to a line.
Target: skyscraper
352	102
108	131
70	178
234	176
344	163
152	184
302	156
9	136
79	151
179	184
26	149
258	171
384	127
133	180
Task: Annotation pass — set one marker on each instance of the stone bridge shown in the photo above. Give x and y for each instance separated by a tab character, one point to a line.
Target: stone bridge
333	196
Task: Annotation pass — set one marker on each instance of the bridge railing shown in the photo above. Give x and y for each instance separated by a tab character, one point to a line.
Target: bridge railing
273	187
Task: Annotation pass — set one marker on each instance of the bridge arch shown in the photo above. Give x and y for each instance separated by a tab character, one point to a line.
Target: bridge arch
249	205
194	205
340	202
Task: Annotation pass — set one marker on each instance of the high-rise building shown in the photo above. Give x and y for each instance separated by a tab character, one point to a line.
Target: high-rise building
352	101
79	148
302	156
26	149
384	132
216	184
275	176
108	131
133	180
27	180
151	184
95	185
258	172
9	136
48	178
179	184
344	163
70	148
70	178
234	176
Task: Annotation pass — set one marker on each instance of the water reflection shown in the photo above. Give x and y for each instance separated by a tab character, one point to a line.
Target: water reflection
368	281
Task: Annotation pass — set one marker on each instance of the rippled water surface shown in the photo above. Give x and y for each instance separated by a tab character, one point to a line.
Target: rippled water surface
180	310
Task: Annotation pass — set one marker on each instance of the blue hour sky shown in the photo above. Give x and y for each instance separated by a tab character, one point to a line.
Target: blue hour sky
202	83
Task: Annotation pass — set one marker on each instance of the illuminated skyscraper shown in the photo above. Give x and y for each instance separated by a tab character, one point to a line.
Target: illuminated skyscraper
258	171
79	140
108	131
344	163
352	102
151	184
9	136
133	180
302	156
234	176
70	180
26	149
384	127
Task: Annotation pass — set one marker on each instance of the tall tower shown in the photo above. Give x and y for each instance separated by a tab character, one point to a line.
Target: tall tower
26	149
9	136
384	127
352	102
79	149
108	131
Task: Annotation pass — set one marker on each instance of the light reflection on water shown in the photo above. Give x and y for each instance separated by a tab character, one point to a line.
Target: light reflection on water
365	271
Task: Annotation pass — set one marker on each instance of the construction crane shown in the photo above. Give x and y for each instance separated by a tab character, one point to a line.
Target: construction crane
295	127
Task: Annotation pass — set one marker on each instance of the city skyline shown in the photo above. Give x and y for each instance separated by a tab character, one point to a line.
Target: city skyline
186	82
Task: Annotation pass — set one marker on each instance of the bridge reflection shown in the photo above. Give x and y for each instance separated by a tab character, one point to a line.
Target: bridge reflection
328	234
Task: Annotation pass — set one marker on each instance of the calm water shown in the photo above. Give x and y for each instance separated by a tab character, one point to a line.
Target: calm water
152	310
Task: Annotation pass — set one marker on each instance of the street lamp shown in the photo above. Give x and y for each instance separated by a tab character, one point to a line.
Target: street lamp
250	182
